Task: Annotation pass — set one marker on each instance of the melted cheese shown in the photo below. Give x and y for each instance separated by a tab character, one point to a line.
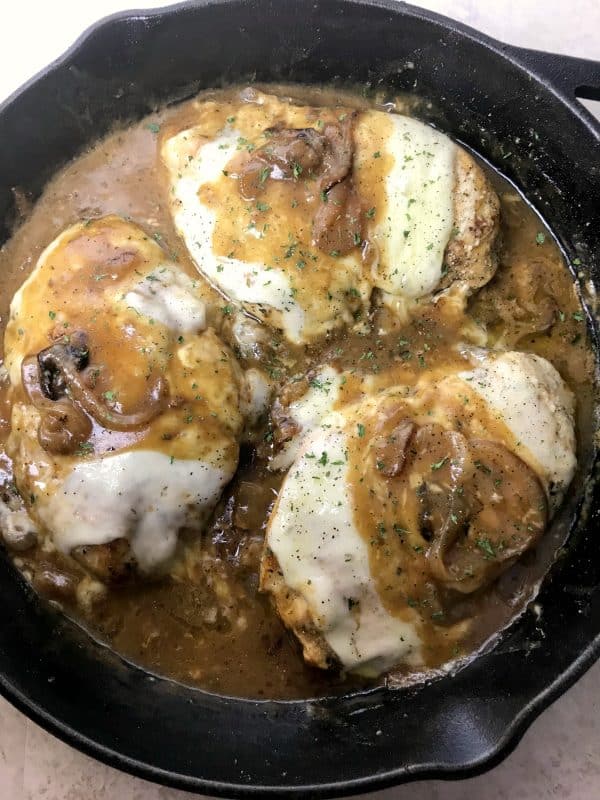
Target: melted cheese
260	253
526	392
308	411
323	530
322	555
167	296
143	318
143	496
412	212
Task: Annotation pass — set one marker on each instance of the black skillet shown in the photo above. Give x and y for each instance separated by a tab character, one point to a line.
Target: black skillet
499	100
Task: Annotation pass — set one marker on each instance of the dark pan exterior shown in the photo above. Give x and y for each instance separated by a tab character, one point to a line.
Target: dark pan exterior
495	99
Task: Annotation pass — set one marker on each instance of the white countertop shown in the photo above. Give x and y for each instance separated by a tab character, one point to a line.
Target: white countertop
559	757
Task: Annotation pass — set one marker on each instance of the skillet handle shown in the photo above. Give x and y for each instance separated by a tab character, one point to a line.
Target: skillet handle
579	77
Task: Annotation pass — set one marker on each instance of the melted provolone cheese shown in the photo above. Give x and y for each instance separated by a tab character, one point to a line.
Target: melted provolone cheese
308	411
143	496
413	217
167	296
322	556
526	392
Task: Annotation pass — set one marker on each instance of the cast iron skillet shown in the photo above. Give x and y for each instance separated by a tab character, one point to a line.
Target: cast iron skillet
496	99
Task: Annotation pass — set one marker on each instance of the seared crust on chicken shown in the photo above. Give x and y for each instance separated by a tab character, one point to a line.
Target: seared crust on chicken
295	614
471	254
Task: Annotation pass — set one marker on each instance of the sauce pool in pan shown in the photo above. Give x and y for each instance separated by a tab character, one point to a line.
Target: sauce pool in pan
290	396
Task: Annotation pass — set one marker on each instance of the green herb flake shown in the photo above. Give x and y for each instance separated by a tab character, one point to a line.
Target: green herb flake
371	213
227	310
540	238
153	127
578	316
360	429
439	464
52	314
486	548
263	206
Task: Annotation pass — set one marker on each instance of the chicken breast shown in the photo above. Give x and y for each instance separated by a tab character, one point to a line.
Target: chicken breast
396	498
127	410
298	213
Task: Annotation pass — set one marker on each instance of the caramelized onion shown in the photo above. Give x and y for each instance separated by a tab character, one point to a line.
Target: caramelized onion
337	159
292	154
153	404
497	513
55	383
390	450
337	226
63	359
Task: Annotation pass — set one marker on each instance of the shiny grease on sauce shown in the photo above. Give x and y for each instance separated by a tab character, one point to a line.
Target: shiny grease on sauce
218	631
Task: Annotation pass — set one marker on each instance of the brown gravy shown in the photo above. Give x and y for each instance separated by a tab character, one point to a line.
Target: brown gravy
177	627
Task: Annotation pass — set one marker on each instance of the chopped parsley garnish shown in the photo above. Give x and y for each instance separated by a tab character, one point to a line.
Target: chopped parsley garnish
360	429
110	396
264	174
263	206
577	316
227	310
486	548
297	170
540	238
439	464
324	386
52	314
324	459
153	127
371	213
